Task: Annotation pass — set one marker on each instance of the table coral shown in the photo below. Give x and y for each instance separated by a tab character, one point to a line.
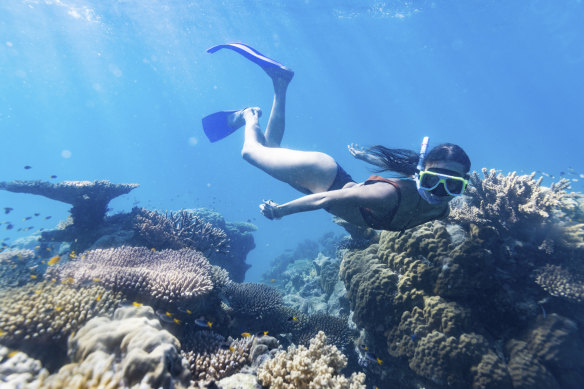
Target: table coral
315	367
166	276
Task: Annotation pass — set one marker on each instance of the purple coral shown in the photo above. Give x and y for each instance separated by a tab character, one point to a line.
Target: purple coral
166	276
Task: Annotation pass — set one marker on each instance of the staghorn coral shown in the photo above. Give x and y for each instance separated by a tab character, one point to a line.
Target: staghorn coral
166	276
559	282
177	230
315	367
131	350
212	357
47	312
89	199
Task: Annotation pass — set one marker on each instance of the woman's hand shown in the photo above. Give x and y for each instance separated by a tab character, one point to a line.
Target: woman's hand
357	151
268	209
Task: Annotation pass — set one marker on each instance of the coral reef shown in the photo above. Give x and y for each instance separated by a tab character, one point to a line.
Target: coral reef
177	230
131	350
253	300
18	370
318	366
559	282
212	357
447	299
159	277
89	200
17	267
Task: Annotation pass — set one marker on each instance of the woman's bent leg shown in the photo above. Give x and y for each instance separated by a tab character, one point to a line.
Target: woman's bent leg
314	171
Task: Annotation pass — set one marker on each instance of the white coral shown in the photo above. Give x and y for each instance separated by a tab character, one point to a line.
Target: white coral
315	367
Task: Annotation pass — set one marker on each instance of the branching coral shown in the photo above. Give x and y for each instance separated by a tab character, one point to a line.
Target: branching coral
166	276
177	230
132	350
515	205
315	367
212	357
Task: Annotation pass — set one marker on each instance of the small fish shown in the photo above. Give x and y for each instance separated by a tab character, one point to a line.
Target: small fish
201	322
7	210
48	249
27	167
53	280
68	280
53	176
153	249
2	333
95	279
26	218
72	254
12	353
48	217
261	333
54	260
37	292
33	276
231	348
9	226
292	318
163	316
245	334
98	297
188	311
373	358
137	304
562	173
273	280
37	247
169	314
58	309
225	346
363	347
176	321
37	214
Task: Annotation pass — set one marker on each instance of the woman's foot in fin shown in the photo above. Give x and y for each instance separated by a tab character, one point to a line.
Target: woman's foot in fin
241	117
281	76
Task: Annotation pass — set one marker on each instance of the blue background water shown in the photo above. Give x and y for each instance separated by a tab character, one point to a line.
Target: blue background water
116	89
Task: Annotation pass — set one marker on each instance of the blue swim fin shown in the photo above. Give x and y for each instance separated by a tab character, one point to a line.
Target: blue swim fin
216	127
251	54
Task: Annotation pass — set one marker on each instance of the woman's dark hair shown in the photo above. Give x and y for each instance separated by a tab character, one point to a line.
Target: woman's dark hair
406	161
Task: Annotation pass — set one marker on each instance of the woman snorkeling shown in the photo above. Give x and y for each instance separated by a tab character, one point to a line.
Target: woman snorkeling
430	180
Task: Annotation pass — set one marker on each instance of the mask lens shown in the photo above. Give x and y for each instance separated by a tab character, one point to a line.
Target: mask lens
429	180
454	186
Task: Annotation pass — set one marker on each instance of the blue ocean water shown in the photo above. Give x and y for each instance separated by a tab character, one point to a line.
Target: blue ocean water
116	90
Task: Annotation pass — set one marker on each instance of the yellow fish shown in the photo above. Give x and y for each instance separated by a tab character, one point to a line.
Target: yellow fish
53	280
12	353
98	298
33	276
168	314
72	254
2	333
273	280
68	280
95	279
54	260
379	361
176	321
58	309
37	247
137	304
189	311
37	292
231	348
153	249
245	334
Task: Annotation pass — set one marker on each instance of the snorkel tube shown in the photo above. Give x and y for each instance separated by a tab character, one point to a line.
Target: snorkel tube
426	195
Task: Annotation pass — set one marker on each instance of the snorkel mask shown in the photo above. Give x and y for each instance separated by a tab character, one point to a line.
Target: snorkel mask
425	193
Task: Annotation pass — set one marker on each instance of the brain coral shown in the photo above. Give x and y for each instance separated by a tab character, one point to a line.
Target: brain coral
131	350
164	276
315	367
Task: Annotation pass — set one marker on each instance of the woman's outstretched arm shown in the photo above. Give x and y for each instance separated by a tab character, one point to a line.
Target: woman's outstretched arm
380	196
